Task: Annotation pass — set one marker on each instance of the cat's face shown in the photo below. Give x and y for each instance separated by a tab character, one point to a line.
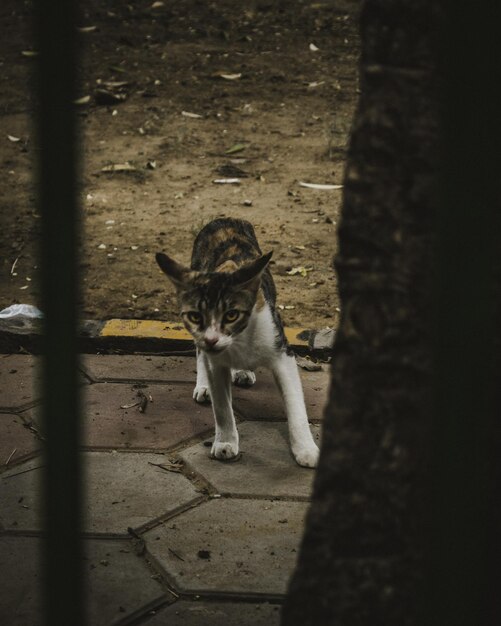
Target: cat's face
215	307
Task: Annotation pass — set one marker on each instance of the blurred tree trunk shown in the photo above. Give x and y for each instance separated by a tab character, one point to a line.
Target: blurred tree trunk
364	553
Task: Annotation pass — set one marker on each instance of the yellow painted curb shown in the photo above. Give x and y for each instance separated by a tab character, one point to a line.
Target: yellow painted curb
292	335
145	328
172	331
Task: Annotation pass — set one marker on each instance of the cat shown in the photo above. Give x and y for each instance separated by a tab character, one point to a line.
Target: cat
227	300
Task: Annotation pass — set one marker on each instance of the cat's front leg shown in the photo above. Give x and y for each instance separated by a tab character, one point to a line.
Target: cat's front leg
201	392
286	375
225	446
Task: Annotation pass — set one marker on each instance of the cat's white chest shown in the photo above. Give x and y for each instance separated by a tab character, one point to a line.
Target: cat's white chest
255	346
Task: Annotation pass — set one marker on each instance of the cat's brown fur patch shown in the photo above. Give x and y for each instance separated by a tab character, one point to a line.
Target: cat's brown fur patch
260	300
227	266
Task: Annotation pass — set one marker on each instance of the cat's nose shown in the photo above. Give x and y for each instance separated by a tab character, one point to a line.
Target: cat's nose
210	342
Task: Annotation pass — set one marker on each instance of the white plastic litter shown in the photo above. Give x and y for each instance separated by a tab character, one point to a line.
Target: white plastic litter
17	310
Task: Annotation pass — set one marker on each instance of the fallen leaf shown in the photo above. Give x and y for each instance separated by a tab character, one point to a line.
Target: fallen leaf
314	48
171	465
13	139
238	147
194	116
119	167
307	364
113	84
319	186
299	270
130	406
227	181
107	96
230	76
157	5
82	100
87	29
29	53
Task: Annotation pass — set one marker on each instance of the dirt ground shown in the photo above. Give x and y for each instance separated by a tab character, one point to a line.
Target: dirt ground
176	95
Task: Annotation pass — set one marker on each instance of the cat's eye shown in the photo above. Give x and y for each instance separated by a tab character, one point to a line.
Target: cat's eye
231	316
194	316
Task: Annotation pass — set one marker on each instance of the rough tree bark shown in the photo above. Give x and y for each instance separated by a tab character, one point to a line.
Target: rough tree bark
361	561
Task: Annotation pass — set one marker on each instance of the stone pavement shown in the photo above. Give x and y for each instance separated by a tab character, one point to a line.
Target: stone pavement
171	536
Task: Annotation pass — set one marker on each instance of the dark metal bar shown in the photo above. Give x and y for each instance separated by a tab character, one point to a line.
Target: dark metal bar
57	192
462	501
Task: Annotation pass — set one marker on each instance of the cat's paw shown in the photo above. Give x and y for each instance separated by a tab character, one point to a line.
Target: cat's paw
201	394
243	378
307	456
225	451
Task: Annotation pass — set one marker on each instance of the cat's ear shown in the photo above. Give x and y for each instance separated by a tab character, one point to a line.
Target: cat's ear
177	273
251	273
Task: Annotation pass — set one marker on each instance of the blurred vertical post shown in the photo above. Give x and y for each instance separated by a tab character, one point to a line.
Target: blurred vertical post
463	530
57	194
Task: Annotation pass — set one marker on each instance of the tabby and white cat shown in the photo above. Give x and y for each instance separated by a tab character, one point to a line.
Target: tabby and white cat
227	300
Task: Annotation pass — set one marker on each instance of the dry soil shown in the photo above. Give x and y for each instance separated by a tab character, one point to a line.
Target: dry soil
176	95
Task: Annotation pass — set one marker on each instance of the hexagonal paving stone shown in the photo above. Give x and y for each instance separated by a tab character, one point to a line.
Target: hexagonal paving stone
126	490
259	402
266	467
18	381
263	401
119	582
231	546
123	489
186	613
19	493
136	368
170	419
16	441
19	590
